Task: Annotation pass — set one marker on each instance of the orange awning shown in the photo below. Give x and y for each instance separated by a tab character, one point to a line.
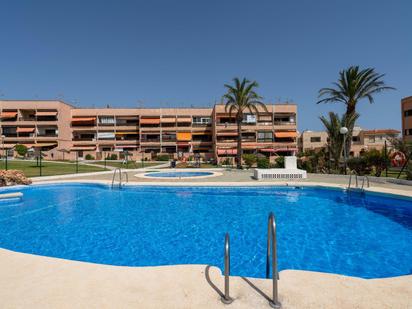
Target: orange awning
85	119
40	113
150	120
168	120
8	114
25	130
286	134
184	136
185	119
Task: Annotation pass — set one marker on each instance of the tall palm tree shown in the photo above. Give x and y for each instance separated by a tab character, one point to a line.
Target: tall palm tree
336	139
239	98
353	86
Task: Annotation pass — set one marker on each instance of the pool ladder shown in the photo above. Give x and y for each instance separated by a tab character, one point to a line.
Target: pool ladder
364	178
271	260
120	177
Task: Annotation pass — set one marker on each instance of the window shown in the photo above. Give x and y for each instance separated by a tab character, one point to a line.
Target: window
407	113
106	120
371	139
249	118
265	136
355	139
201	120
315	139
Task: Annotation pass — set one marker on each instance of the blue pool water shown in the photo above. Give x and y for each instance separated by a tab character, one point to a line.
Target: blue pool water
178	174
318	229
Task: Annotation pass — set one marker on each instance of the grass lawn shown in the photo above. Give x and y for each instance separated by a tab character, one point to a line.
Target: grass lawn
131	165
394	173
30	169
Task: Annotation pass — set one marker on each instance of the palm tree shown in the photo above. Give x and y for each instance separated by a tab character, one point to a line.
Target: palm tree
239	98
336	139
353	86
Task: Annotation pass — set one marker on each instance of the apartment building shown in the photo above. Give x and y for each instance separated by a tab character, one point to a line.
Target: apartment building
63	131
406	107
362	140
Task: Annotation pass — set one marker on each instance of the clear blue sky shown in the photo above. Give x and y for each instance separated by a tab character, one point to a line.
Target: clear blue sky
180	53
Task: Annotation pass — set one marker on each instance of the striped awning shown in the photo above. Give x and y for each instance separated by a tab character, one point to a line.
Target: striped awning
24	130
184	119
222	151
168	120
8	114
150	120
84	119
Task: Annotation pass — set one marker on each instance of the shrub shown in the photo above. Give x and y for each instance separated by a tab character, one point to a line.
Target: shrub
280	162
89	157
359	165
378	160
227	161
263	163
21	150
249	159
112	157
164	157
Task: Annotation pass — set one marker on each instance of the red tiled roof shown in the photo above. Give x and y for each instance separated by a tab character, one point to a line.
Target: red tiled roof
381	131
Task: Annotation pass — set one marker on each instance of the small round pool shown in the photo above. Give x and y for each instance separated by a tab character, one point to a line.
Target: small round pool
175	174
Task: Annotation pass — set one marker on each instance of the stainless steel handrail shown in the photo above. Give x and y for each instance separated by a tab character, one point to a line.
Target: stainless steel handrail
120	177
271	250
226	299
367	181
352	172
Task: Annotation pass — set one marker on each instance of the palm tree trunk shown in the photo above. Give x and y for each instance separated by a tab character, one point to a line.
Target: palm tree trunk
239	143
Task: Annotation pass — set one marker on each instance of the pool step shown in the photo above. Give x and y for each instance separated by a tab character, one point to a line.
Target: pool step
4	196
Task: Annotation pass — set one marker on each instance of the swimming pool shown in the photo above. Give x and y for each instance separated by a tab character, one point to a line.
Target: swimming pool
177	174
325	230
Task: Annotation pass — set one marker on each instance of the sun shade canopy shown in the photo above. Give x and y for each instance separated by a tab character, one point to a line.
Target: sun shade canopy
83	148
184	136
150	120
168	120
39	113
286	134
184	119
227	151
8	114
25	130
84	119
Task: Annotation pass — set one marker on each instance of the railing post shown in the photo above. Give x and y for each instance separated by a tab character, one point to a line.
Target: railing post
226	299
271	250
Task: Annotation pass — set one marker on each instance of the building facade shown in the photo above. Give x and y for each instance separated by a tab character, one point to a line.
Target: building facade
62	131
362	140
406	107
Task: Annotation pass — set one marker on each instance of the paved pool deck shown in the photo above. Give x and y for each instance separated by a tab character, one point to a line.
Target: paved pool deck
31	281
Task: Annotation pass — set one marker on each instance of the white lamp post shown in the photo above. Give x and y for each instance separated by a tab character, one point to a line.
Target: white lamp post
344	132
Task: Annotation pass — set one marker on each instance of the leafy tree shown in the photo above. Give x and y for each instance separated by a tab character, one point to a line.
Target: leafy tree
353	86
249	160
21	150
280	162
263	162
239	98
377	159
336	139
